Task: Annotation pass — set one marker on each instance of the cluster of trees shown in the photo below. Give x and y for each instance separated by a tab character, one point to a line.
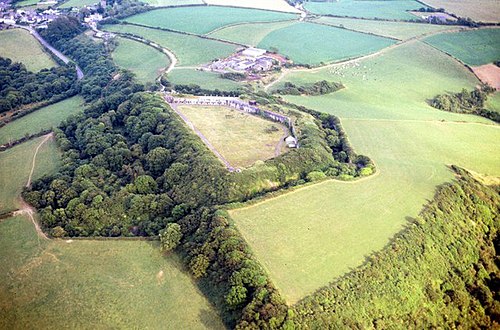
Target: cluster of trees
194	89
125	8
18	86
318	88
467	102
445	263
235	76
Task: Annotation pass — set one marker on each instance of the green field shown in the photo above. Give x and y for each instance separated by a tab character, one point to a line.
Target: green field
240	138
392	9
25	3
78	3
162	3
42	119
307	238
320	43
475	47
207	80
190	50
398	30
201	20
20	46
144	61
493	102
478	10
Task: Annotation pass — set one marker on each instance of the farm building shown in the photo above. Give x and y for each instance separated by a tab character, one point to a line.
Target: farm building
253	52
291	142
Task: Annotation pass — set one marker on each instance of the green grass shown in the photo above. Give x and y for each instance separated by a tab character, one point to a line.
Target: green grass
308	43
393	9
239	137
398	30
207	80
478	10
78	3
20	46
493	102
144	61
161	3
475	47
201	20
190	50
307	238
239	33
25	3
42	119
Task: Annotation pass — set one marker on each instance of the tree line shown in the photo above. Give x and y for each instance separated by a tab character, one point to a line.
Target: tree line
317	88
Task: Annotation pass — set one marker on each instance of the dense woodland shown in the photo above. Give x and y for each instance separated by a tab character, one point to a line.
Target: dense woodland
441	271
18	86
467	102
318	88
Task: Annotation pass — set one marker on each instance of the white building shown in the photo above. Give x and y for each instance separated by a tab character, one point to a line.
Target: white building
253	52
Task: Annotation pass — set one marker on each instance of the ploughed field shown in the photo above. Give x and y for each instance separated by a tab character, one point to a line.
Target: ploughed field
241	138
478	10
309	237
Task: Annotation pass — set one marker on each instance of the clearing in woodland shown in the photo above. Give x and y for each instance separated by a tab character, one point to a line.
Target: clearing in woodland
144	61
201	20
309	237
240	138
20	46
42	119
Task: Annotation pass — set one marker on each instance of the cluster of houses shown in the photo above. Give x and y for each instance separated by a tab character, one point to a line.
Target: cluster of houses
235	103
36	18
248	61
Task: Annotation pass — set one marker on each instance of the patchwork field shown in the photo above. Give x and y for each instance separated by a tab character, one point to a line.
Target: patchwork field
307	238
475	47
398	30
240	138
189	50
207	80
488	74
478	10
144	61
163	3
277	5
320	43
394	9
20	46
201	20
78	3
44	118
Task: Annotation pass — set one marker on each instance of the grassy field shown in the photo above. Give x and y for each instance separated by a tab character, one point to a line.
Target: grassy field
478	10
201	20
204	79
320	43
144	61
78	3
476	47
190	50
239	137
309	237
277	5
162	3
25	3
20	46
394	9
398	30
493	102
44	118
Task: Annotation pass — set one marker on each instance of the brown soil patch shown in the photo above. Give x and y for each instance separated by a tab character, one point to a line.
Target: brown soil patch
488	74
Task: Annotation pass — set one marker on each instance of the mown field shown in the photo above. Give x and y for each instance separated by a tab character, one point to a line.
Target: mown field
478	10
190	50
309	237
320	43
78	3
394	9
398	30
201	20
20	46
241	139
204	79
161	3
42	119
475	47
144	61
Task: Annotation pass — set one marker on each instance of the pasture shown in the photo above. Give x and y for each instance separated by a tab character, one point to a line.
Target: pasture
240	138
144	61
478	10
189	50
202	20
320	43
78	3
204	79
394	9
493	102
25	3
165	3
20	46
42	119
476	47
313	235
398	30
276	5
